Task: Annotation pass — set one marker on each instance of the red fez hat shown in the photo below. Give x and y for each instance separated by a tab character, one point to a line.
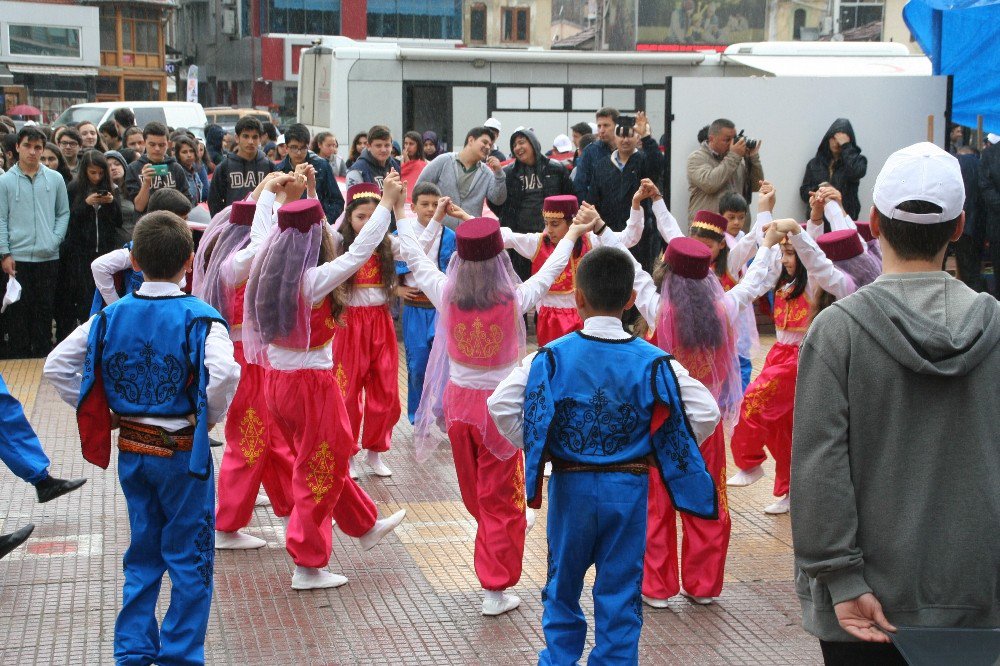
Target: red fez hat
560	207
841	245
242	213
301	215
865	230
368	191
478	239
689	258
706	219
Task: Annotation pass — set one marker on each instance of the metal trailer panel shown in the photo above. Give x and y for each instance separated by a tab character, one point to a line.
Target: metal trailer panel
469	108
791	115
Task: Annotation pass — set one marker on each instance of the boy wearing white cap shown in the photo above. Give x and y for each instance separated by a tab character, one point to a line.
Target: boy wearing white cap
494	126
895	434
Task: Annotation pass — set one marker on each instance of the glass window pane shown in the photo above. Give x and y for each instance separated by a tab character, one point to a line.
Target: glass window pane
36	40
512	98
522	25
622	99
547	98
477	26
587	99
127	37
507	25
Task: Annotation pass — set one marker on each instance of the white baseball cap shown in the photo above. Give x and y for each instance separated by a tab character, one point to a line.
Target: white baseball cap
991	137
921	172
281	140
563	143
492	123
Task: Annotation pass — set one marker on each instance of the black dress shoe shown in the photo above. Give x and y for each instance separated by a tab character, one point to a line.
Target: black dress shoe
9	542
214	443
50	488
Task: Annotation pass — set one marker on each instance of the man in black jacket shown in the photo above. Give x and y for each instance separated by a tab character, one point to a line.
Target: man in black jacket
616	178
530	178
989	215
838	161
240	172
141	177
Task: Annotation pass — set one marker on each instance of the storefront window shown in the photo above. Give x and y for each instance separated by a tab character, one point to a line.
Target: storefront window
38	40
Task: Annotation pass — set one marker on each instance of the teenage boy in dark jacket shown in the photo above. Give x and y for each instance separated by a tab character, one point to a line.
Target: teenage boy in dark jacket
530	179
375	161
141	179
297	141
240	172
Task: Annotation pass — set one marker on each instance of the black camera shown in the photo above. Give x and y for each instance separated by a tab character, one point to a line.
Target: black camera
625	125
751	143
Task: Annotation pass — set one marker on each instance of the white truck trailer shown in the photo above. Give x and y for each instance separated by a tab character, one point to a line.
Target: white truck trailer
784	93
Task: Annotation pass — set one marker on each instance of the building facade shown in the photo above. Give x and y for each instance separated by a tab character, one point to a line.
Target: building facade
133	49
849	20
508	23
247	51
49	55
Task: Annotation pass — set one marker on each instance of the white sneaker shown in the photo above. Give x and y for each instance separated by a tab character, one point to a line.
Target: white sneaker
498	603
529	515
703	601
262	500
653	602
308	578
382	528
779	507
350	468
237	541
746	477
378	467
547	472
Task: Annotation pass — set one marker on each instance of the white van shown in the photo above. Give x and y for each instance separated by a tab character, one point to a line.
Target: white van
188	115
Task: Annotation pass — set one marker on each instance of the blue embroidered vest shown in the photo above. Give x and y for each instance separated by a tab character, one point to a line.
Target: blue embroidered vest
126	282
445	250
602	402
146	357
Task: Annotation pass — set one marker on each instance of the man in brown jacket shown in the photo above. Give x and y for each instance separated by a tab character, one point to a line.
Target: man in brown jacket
720	166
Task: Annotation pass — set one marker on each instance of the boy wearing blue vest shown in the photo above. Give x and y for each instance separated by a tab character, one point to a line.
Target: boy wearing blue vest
158	364
419	315
607	409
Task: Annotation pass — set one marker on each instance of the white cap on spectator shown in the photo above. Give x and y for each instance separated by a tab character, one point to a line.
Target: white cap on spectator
993	138
492	123
921	172
563	143
281	140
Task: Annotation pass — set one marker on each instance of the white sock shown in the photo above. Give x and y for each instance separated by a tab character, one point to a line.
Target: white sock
493	595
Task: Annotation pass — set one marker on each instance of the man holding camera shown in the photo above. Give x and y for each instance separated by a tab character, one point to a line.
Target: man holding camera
154	170
724	163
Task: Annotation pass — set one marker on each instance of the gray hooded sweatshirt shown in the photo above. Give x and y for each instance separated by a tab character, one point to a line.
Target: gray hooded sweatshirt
896	456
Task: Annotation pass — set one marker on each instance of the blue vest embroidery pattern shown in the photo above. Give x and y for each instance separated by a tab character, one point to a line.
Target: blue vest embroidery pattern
154	381
595	430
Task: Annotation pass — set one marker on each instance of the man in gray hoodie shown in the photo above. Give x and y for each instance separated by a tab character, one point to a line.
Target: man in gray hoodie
895	493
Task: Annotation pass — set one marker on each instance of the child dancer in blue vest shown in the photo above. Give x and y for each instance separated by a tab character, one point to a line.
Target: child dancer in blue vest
159	364
606	408
419	315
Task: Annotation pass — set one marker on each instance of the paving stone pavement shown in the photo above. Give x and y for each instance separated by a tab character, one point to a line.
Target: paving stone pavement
414	599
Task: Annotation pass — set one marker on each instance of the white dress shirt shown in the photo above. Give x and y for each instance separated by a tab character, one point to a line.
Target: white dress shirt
432	281
64	365
506	405
319	281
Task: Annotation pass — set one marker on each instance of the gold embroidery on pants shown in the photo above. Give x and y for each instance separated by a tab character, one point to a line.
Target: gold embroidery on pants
756	399
321	476
519	500
251	436
341	377
723	498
